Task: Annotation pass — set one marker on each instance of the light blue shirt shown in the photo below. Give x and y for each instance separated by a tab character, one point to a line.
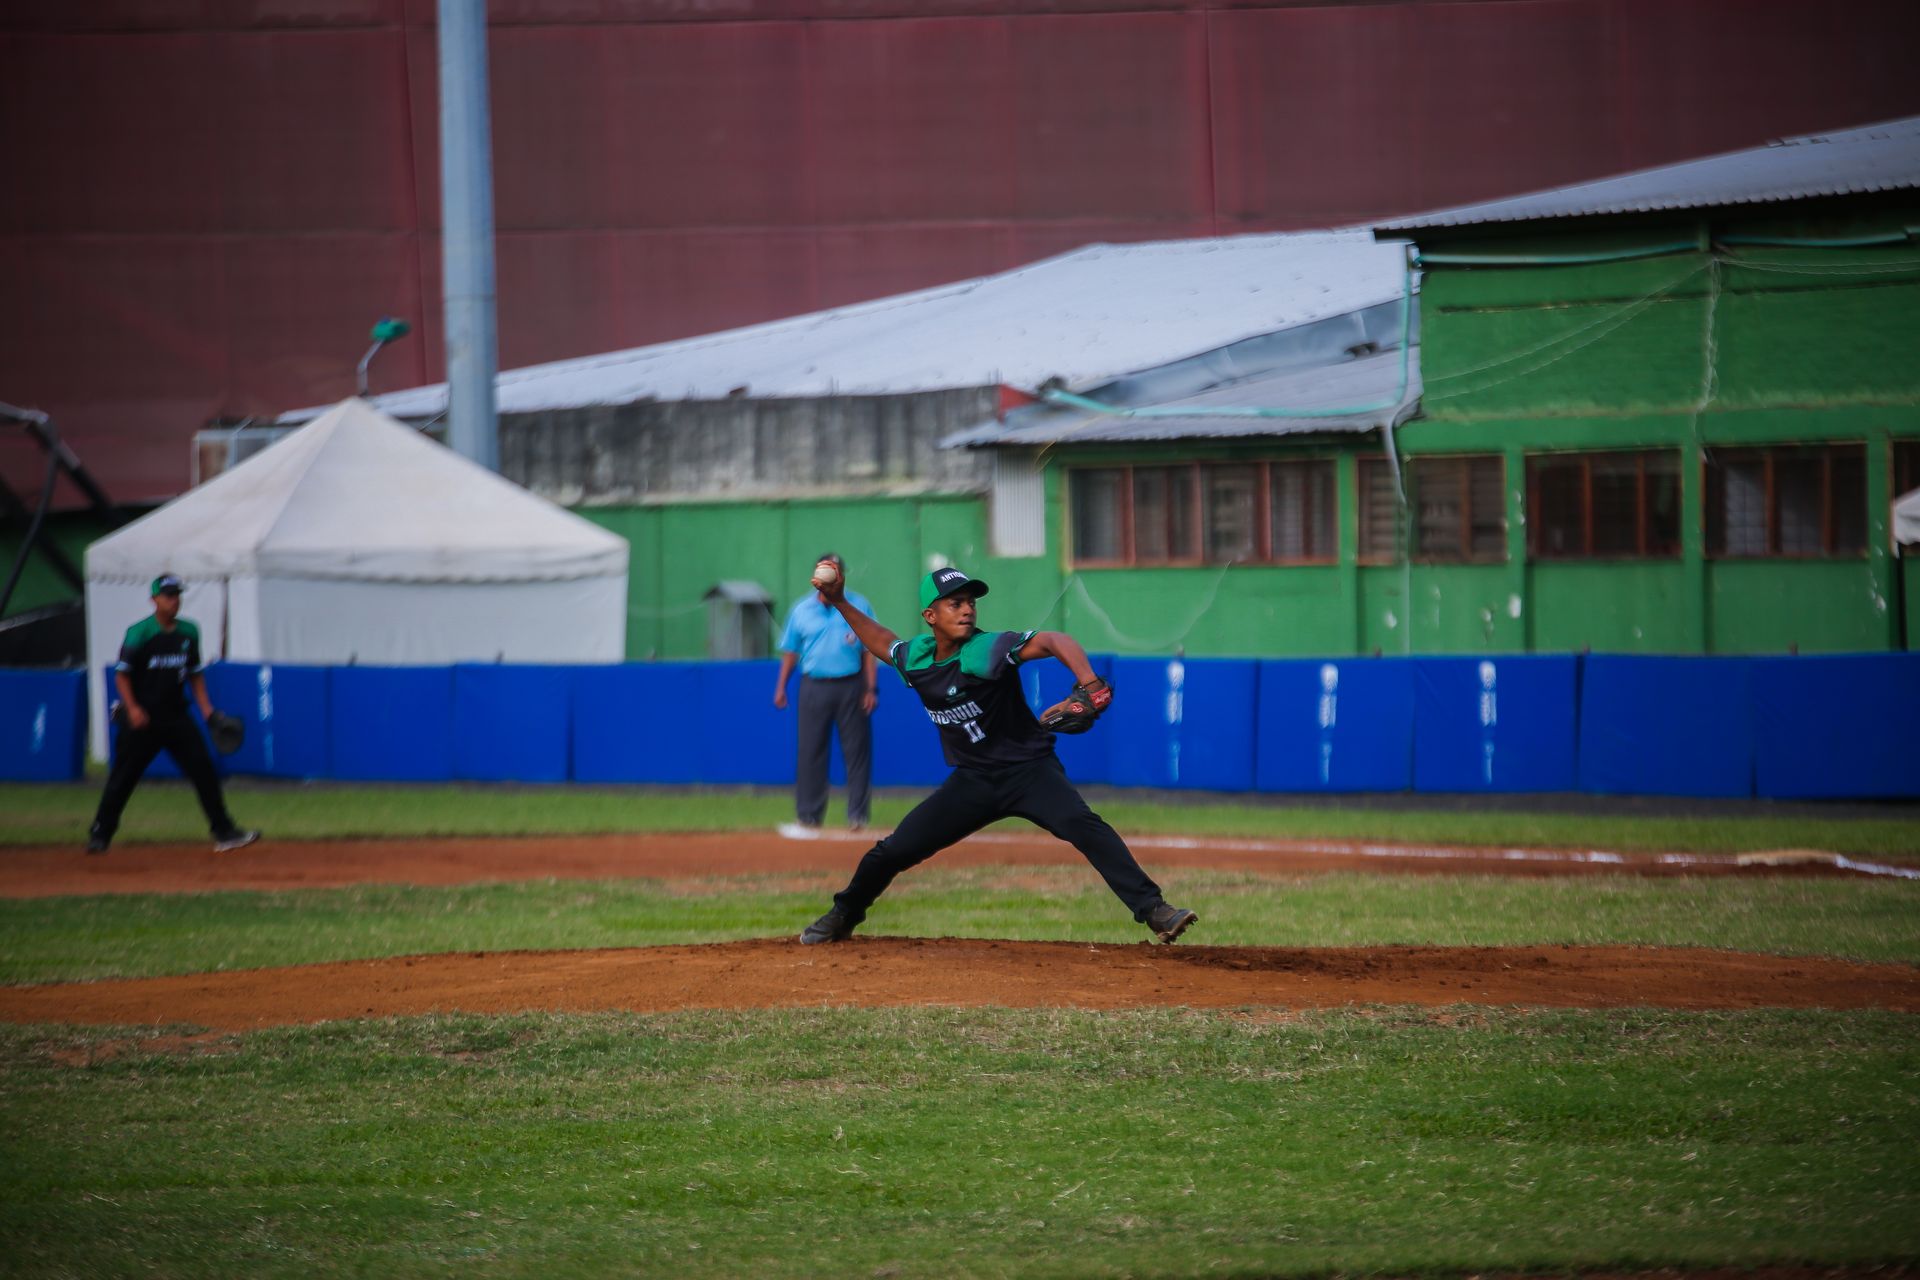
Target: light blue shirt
821	638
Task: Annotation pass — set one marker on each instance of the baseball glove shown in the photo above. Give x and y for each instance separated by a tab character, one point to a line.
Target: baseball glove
1082	707
227	732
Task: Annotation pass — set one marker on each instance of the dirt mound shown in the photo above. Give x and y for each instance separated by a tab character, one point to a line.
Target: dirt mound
953	971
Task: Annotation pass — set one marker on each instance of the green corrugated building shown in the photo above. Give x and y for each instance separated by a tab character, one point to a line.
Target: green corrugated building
1665	413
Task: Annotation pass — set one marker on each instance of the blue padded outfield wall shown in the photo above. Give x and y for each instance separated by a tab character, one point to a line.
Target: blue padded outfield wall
390	723
1666	726
1778	728
1827	727
1494	724
42	735
1329	725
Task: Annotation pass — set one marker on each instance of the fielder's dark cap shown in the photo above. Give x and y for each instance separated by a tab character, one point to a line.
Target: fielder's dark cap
166	585
834	556
947	581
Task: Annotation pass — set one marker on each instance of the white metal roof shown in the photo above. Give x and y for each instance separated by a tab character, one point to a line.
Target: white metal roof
1084	317
1880	157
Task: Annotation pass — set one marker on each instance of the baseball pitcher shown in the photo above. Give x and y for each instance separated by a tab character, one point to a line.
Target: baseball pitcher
1002	757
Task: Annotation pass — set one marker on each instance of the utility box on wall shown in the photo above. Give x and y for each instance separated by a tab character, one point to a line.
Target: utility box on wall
739	621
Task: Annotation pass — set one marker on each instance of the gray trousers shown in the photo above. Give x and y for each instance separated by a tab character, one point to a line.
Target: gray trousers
823	705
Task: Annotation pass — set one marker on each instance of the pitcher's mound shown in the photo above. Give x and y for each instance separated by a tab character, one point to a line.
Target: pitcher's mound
955	971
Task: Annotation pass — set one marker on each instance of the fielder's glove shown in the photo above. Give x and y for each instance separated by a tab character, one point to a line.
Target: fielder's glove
227	732
1082	707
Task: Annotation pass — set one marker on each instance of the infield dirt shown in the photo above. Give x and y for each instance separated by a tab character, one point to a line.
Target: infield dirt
873	971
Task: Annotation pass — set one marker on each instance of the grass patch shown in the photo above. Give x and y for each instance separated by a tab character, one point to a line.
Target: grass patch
49	813
924	1143
68	939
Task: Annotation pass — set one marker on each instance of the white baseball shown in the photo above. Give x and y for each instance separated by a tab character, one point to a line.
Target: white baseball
825	572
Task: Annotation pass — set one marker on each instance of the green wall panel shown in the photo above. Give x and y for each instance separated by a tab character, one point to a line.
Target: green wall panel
1303	610
1447	288
640	526
1466	609
1773	606
1613	607
1566	359
1455	609
877	539
1816	346
702	545
1383	624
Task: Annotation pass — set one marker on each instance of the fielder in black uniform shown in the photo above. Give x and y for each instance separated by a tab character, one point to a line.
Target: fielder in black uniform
1003	760
159	661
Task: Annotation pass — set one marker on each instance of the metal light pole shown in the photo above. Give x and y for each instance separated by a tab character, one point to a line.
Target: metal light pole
388	330
466	199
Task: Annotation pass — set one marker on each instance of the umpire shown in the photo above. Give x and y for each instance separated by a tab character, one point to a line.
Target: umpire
837	677
159	661
1003	761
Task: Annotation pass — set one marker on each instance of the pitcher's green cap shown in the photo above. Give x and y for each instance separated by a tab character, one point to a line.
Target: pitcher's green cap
164	583
944	582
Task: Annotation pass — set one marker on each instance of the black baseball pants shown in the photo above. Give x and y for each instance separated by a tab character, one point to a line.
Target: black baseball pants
824	706
1037	790
137	747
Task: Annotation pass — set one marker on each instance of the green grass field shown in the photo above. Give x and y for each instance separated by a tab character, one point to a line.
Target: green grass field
42	814
933	1143
939	1142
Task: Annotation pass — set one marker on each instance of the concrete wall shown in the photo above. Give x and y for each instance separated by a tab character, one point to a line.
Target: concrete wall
746	448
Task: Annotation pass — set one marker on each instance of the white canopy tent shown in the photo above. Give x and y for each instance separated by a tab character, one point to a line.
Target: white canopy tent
1906	520
358	540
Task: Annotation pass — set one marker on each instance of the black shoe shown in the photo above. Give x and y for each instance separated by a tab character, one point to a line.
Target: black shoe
97	844
1169	922
835	926
228	841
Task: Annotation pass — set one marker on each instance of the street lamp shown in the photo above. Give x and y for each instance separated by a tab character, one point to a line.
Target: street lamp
390	329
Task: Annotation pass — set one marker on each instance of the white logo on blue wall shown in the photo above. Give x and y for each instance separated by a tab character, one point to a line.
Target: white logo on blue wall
40	729
266	714
1329	717
1489	717
1176	713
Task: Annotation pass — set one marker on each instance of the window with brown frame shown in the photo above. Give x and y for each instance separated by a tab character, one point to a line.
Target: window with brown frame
1211	513
1301	512
1379	509
1788	501
1906	467
1459	507
1583	506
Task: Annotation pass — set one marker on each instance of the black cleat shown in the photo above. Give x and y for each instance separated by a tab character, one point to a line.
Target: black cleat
228	841
97	844
1169	922
835	926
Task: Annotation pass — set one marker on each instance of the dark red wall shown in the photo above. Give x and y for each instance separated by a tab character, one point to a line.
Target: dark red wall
208	204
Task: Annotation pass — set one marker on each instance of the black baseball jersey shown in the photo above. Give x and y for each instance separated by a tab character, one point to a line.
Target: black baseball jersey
975	698
157	662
